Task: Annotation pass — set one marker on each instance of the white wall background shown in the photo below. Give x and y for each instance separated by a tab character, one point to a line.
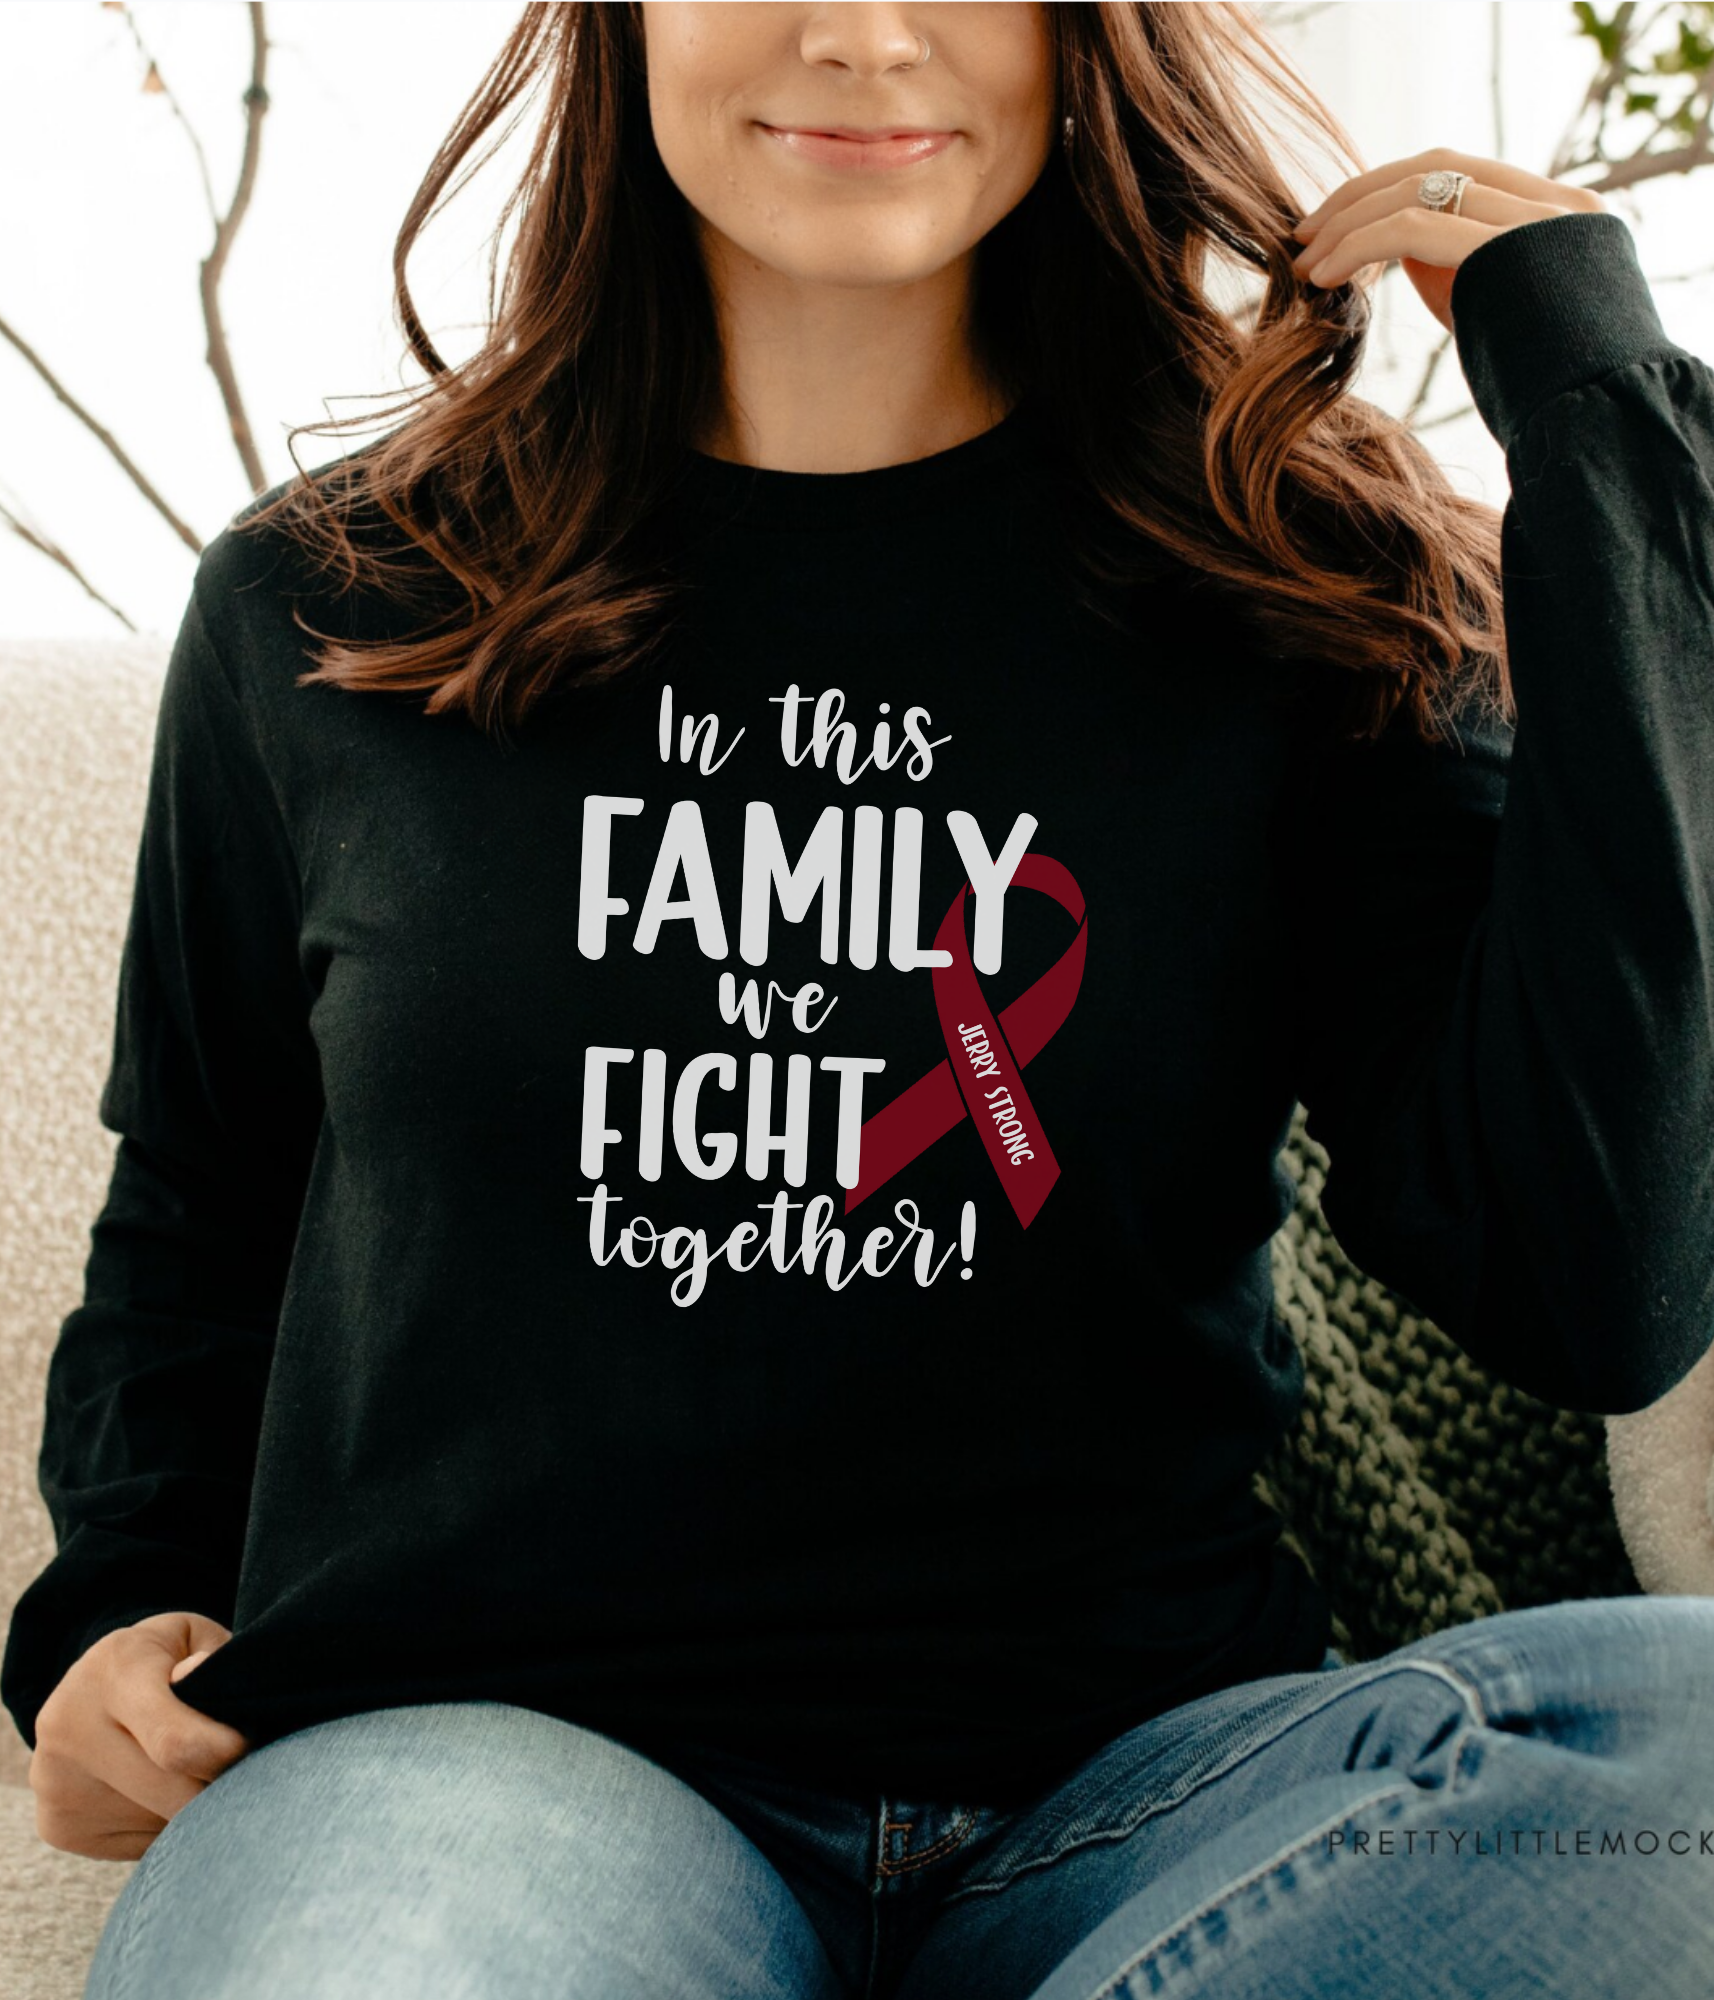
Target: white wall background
102	227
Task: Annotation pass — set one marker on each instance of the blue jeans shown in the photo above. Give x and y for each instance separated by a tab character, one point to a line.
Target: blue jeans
1522	1805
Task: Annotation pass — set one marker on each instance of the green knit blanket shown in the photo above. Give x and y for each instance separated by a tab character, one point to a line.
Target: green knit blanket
1421	1491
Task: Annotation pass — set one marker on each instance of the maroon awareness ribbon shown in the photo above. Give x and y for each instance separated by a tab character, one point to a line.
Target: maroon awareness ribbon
981	1077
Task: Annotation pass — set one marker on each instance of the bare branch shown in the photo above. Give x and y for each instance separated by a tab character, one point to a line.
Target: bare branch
166	90
44	545
219	354
104	437
1496	77
1276	15
1442	348
1609	73
1445	417
1655	166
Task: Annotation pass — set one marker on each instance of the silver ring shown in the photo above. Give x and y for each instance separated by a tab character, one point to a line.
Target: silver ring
1443	189
926	53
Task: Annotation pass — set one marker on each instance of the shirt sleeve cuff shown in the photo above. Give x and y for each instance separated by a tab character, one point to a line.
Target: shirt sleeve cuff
1548	306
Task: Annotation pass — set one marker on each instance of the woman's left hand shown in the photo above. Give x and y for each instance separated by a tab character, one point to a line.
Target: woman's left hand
1375	217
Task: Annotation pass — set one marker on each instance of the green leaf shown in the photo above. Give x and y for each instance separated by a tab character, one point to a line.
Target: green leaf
1604	34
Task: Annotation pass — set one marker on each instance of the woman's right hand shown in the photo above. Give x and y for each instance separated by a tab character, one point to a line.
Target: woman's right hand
117	1752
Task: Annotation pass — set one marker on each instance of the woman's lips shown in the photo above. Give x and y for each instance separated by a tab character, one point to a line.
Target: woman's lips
863	151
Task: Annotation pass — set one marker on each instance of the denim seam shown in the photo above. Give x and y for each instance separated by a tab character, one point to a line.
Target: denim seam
1124	1828
1110	1986
134	1921
944	1845
874	1965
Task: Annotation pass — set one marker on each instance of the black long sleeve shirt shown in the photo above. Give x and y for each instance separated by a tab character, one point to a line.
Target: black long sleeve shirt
867	1372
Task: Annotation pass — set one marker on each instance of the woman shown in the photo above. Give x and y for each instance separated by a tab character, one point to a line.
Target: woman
755	1105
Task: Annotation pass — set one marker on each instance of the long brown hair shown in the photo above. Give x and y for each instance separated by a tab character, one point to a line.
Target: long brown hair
1196	436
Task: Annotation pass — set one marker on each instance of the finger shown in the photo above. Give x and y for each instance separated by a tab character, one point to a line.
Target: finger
1493	206
1498	174
181	1631
111	1783
171	1729
175	1737
81	1815
1421	234
164	1750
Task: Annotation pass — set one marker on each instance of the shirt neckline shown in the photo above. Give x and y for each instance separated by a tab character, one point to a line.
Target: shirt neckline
770	497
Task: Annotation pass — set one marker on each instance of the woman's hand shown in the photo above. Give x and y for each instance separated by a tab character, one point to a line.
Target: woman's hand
117	1752
1375	217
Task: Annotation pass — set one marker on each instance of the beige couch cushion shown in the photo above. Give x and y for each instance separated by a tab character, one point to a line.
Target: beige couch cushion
52	1906
76	727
